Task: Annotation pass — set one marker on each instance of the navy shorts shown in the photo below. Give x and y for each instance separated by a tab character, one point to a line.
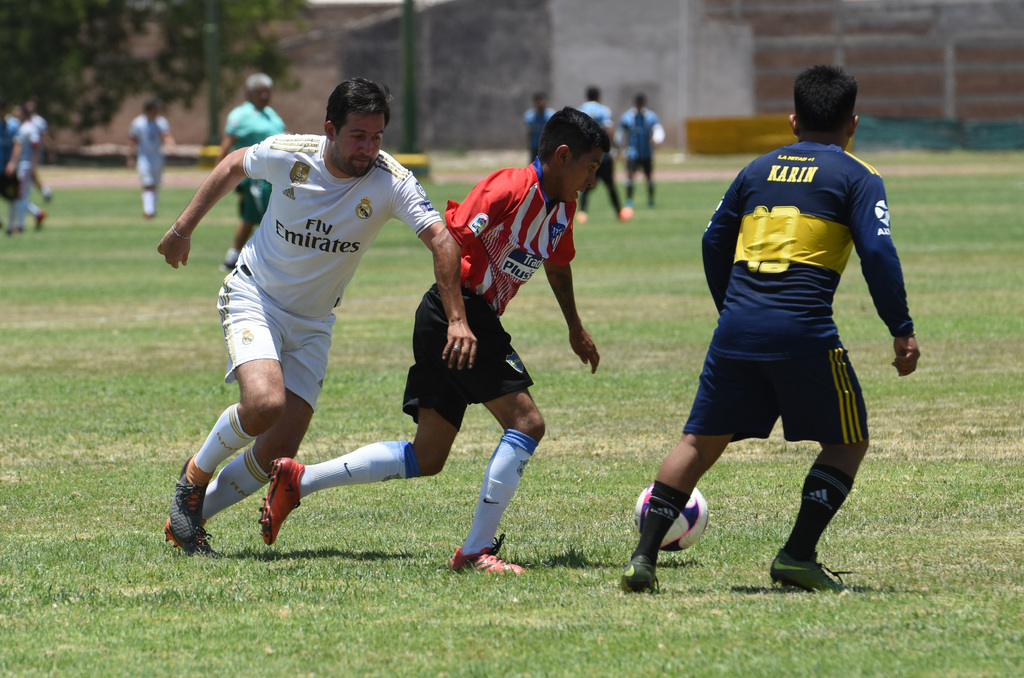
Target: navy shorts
431	384
817	396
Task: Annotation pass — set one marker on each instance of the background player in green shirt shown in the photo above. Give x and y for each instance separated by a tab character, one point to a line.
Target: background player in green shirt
249	124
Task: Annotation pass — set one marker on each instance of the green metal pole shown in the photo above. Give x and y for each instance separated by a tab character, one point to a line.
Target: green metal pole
211	44
410	143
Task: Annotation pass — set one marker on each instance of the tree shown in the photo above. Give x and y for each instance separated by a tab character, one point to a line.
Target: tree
81	59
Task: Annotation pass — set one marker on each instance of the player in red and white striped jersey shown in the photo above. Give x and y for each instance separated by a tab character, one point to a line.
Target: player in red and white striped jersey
512	223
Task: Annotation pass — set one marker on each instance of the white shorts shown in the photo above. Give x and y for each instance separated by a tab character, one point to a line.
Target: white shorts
256	328
150	170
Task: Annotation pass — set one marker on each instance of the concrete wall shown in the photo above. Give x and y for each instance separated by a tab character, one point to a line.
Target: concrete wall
481	60
686	64
479	64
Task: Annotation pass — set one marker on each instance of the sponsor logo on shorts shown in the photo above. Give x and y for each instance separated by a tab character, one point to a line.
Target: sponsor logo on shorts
365	209
247	337
521	265
515	361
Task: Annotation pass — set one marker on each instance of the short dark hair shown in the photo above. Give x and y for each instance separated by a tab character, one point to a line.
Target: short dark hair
640	99
153	104
574	129
593	93
358	95
824	98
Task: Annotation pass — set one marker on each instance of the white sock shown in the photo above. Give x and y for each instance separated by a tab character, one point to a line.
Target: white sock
149	201
369	464
226	438
500	482
231	257
236	481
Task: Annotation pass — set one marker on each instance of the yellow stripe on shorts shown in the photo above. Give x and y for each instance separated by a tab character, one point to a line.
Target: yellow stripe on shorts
848	415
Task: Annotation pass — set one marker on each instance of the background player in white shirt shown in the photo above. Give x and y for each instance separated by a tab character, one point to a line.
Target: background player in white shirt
47	151
21	165
331	196
147	136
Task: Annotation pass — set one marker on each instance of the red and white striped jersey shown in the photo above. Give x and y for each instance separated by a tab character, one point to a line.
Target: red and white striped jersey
508	229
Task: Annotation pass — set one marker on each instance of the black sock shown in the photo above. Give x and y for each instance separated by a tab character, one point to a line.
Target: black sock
825	490
665	506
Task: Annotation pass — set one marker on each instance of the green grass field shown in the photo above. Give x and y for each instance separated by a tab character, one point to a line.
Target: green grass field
111	375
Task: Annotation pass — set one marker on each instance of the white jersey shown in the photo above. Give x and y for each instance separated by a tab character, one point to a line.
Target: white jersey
149	137
28	136
317	226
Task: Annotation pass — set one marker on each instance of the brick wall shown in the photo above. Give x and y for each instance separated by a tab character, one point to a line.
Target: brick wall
912	58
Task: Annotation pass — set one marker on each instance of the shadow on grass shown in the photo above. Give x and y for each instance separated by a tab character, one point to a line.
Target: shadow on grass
578	560
792	590
310	554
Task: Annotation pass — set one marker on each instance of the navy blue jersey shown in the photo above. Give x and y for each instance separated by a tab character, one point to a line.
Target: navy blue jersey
779	242
638	126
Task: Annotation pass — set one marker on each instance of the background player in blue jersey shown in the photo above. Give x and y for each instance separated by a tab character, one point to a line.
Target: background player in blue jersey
534	119
773	254
8	182
639	131
606	172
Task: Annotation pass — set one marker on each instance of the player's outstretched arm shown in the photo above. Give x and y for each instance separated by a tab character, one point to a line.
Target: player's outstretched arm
560	279
225	176
907	354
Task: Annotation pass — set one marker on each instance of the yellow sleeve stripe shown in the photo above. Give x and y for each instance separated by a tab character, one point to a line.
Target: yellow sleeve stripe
392	167
297	143
867	166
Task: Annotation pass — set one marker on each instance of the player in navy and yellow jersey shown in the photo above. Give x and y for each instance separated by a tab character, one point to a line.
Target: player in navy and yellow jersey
773	255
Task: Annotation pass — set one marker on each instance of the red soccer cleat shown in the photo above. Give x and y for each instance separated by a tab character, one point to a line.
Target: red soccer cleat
282	496
485	561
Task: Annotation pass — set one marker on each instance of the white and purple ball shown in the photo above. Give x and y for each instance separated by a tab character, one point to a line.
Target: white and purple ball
689	526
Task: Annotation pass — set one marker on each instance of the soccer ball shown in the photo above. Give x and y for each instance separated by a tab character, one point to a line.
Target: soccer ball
689	526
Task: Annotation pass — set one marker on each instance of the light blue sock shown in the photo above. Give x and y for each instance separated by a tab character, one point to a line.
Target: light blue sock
500	482
369	464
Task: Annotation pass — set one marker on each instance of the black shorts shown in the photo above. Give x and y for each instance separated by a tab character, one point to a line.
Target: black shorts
646	165
497	370
8	186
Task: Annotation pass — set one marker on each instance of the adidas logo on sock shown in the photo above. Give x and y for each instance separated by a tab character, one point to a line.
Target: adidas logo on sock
820	496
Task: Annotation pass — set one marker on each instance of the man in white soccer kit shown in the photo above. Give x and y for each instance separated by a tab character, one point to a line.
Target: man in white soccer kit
147	135
331	196
21	164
